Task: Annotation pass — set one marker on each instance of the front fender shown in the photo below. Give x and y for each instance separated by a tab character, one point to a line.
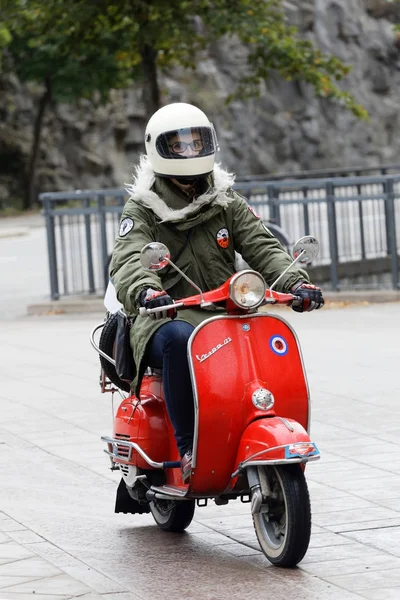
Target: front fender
274	440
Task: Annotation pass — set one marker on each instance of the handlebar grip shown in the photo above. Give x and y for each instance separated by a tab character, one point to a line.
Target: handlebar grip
145	312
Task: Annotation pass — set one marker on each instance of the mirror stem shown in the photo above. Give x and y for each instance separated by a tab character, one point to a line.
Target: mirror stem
187	278
287	269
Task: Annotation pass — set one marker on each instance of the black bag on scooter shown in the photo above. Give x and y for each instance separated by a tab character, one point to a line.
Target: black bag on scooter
124	363
114	342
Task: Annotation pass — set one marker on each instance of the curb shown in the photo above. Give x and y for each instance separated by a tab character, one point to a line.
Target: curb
95	304
363	296
8	233
72	305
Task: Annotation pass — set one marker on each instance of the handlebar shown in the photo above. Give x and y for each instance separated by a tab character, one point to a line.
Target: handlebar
214	296
144	312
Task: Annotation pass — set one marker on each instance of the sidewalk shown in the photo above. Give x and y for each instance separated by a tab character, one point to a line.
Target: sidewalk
31	567
59	536
20	225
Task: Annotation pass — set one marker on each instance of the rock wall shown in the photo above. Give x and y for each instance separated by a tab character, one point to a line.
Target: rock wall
89	145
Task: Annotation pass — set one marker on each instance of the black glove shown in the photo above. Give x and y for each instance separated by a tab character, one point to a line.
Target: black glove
308	297
150	298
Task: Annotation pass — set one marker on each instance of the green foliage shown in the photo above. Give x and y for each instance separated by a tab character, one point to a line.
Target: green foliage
274	46
5	39
83	45
5	36
178	30
45	45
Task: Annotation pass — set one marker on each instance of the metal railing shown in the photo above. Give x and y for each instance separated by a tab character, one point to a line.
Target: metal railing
356	219
81	228
390	169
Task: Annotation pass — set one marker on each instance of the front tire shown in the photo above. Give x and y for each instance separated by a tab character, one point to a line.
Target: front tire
283	527
172	515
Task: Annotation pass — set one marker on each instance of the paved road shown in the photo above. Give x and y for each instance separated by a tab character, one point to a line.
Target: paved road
60	538
24	271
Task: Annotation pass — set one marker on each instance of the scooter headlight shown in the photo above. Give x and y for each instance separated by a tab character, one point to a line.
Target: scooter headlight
247	289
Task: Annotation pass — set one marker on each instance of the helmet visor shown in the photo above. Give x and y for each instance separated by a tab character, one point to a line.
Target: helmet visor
186	143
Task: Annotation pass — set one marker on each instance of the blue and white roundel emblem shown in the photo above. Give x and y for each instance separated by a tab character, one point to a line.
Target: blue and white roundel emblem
278	345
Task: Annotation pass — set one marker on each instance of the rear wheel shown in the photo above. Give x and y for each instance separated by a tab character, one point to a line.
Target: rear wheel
171	515
283	526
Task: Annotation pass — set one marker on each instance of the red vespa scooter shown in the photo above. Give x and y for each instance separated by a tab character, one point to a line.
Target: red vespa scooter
252	418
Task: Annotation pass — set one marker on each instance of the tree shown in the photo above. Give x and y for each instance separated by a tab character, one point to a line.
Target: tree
44	44
157	35
154	36
79	46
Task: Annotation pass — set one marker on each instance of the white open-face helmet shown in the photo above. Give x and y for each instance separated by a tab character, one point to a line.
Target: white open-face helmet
181	142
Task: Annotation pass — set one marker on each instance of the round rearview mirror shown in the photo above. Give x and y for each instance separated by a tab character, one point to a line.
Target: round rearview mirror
154	256
306	249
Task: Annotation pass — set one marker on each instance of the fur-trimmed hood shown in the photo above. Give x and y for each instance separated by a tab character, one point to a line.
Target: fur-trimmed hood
141	192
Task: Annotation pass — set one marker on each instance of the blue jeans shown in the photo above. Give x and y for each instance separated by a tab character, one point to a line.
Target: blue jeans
167	350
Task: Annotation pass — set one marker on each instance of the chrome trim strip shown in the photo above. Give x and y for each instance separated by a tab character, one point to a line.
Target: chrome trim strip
287	423
281	447
270	450
95	346
132	446
283	461
251	460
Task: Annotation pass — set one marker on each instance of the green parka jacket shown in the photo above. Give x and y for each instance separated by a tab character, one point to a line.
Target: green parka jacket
218	222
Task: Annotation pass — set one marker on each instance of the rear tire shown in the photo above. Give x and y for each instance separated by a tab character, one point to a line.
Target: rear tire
172	515
283	527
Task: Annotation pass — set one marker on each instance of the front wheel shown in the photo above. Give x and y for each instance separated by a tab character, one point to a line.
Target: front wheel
172	515
283	525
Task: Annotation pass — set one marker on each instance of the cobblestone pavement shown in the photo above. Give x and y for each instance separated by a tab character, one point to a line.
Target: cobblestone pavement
59	537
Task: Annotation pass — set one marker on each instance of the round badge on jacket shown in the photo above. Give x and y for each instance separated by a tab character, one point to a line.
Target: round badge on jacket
125	226
223	238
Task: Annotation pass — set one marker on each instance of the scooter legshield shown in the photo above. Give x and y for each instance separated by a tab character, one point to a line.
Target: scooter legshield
231	358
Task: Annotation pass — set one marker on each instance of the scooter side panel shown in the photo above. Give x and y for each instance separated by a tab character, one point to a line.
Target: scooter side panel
231	357
146	423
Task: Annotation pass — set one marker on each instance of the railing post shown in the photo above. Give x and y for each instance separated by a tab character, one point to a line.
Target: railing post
361	217
103	238
391	231
89	248
306	215
333	243
51	247
273	201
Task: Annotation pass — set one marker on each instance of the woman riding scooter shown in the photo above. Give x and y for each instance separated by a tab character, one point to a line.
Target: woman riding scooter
181	198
